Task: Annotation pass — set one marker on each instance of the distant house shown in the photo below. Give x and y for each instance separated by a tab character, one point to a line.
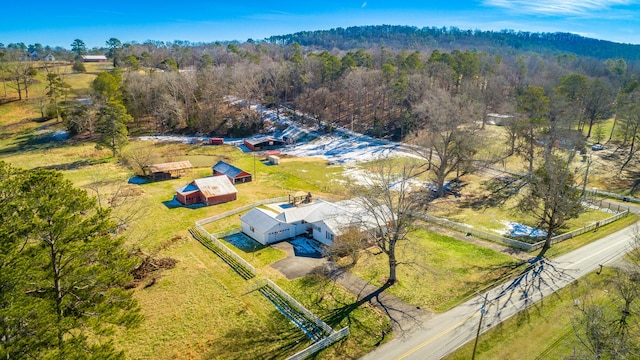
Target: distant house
263	143
170	170
321	220
215	141
94	58
209	191
49	58
237	176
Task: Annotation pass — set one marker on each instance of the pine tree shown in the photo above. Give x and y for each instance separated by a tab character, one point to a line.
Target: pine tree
71	296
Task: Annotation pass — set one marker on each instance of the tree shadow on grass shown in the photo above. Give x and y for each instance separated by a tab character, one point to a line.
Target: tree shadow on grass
529	286
403	317
31	141
278	339
75	165
499	190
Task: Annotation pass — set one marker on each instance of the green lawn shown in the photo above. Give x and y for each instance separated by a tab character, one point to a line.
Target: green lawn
439	271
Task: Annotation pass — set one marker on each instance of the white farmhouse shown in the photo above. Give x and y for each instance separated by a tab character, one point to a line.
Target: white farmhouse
321	220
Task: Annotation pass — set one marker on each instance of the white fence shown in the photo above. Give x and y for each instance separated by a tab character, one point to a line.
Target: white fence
594	192
295	304
512	242
240	209
322	344
222	247
334	336
584	229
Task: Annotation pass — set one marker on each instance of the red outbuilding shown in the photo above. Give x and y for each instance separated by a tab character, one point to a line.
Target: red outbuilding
209	191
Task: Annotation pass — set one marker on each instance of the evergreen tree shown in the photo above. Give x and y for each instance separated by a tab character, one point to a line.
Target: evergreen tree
112	126
62	271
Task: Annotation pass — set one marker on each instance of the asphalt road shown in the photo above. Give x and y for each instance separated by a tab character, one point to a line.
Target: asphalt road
446	332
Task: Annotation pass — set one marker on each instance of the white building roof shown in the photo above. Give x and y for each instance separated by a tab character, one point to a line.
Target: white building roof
94	57
262	220
335	216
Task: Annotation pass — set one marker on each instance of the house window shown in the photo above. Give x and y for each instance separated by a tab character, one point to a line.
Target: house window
329	236
252	229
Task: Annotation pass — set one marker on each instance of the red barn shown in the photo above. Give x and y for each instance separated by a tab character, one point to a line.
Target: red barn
237	176
209	191
263	143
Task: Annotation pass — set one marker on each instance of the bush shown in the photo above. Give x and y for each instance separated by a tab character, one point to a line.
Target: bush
78	66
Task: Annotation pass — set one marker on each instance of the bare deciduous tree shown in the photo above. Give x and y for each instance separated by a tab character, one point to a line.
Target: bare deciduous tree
551	197
140	158
609	328
390	203
448	134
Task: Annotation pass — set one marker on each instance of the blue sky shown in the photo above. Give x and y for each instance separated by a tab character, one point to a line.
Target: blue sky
94	22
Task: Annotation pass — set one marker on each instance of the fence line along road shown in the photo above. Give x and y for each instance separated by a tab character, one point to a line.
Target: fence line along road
464	228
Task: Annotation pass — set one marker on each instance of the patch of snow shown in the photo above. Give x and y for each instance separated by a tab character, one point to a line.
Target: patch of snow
514	229
594	207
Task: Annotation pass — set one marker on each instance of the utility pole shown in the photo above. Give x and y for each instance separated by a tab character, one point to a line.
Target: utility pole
483	309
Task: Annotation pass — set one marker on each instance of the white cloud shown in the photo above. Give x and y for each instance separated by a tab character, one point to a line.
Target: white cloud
558	7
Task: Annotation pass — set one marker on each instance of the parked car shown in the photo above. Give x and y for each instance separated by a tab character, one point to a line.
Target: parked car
597	147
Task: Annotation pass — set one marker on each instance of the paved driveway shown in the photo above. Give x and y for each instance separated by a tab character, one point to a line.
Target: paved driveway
294	266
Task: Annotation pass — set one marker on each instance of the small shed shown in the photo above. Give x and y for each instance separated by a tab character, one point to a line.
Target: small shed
235	175
49	58
273	160
170	170
215	141
263	143
209	191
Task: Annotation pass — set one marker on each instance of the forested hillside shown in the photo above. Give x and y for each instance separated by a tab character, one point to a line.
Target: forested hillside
387	81
505	41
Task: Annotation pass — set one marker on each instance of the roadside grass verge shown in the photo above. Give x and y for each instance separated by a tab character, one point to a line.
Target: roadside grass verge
548	322
437	271
589	237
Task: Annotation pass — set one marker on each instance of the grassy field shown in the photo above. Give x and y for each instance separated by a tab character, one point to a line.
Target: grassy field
201	309
549	323
438	271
